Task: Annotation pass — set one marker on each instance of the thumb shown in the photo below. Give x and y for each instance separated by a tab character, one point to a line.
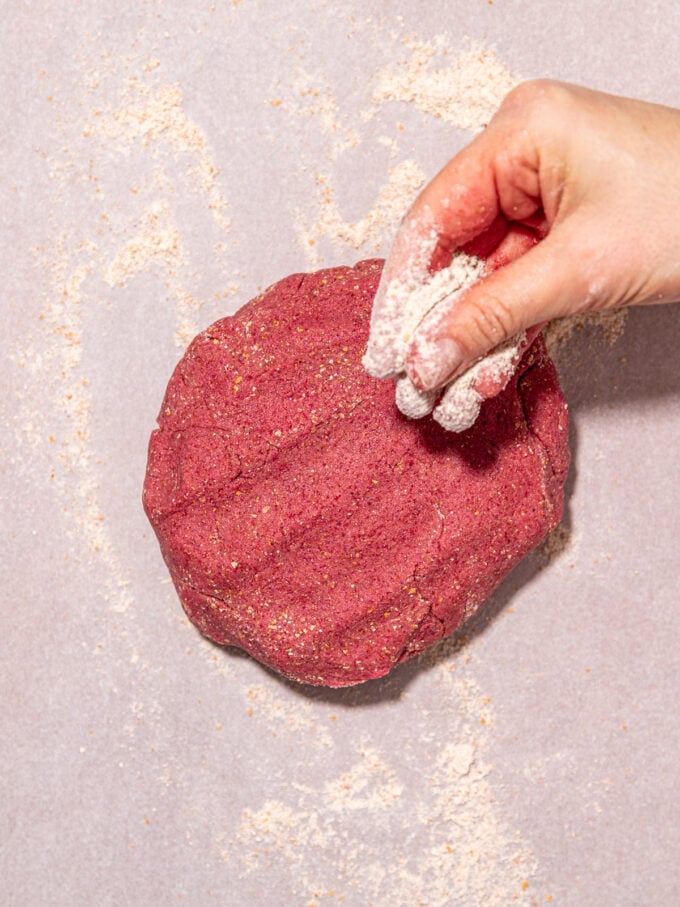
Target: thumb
542	284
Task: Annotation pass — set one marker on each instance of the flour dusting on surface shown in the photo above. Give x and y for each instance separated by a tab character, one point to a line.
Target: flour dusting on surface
465	90
128	128
611	324
386	796
331	835
285	716
368	234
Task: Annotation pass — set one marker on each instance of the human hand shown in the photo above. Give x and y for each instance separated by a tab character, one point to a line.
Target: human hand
572	199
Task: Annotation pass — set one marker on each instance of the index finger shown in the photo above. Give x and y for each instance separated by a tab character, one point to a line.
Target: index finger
492	182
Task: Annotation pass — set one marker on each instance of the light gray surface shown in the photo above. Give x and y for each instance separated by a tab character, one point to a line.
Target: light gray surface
140	762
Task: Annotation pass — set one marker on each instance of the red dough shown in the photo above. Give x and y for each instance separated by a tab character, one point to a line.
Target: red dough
305	520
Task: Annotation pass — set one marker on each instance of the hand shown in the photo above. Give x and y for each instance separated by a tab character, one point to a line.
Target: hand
571	196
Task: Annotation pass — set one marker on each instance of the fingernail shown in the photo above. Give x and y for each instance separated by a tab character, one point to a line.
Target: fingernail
433	360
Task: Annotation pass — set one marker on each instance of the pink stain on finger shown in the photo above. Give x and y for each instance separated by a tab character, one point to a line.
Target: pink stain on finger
517	241
490	381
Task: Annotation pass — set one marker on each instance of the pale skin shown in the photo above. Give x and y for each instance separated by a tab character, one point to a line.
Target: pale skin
572	196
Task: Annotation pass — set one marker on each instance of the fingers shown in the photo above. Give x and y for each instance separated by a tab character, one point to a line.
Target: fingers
462	399
401	303
491	182
542	284
406	269
466	207
494	372
411	402
516	242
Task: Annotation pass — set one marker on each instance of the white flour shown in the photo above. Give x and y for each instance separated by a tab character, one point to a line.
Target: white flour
459	406
401	304
420	298
465	91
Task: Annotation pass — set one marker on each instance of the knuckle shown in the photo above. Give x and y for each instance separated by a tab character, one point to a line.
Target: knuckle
537	98
490	321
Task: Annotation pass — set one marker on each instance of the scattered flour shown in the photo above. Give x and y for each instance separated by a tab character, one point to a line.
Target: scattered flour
368	234
159	241
59	434
151	112
466	93
286	716
559	333
325	837
368	785
329	838
281	830
559	542
422	300
130	129
310	96
158	238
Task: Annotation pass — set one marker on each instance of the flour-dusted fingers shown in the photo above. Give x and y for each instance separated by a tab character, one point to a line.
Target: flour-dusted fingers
493	374
462	399
411	402
454	212
466	208
407	268
538	286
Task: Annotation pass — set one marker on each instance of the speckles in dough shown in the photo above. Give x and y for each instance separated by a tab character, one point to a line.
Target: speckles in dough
355	538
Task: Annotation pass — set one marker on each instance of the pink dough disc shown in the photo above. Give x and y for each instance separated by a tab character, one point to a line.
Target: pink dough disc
305	520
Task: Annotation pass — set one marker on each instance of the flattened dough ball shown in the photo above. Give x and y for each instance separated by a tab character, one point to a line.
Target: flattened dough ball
305	520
